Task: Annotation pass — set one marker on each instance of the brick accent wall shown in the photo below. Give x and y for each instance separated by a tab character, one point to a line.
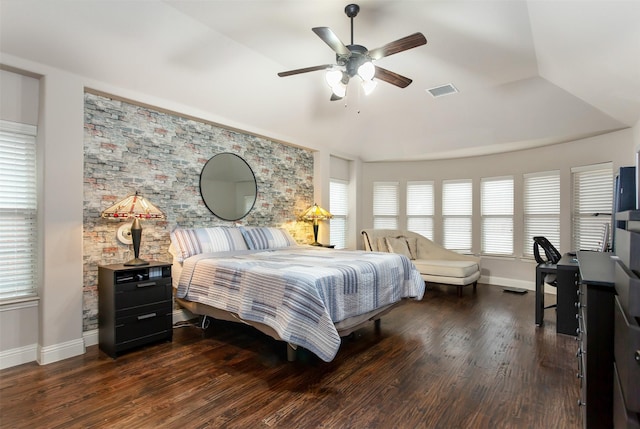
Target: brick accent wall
129	148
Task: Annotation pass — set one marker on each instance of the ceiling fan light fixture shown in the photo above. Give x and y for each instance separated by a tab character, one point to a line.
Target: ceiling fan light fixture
333	77
366	70
368	86
339	89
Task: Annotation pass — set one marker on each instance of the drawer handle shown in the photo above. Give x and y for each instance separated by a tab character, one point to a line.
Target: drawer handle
637	356
147	316
146	284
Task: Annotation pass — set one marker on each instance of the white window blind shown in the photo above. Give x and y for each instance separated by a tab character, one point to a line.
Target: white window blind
541	209
18	210
339	207
420	208
496	210
385	205
592	204
457	210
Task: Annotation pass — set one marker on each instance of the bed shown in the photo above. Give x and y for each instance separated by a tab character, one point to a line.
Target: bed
305	296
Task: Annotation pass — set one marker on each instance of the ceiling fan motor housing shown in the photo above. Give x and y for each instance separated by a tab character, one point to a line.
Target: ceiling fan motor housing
355	60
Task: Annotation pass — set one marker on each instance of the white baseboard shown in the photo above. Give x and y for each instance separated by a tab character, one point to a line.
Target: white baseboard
42	355
502	281
60	351
18	356
522	284
90	337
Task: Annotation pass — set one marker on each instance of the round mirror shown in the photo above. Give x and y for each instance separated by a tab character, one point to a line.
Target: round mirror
228	186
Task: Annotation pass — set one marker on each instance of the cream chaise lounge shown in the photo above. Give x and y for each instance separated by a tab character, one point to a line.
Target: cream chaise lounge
435	263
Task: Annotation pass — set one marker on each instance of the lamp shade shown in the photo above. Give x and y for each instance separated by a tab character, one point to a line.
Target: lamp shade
315	212
133	206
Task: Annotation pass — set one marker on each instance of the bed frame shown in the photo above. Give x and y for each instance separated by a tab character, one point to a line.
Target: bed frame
344	327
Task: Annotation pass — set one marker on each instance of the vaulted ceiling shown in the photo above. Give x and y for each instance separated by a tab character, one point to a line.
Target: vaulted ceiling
529	73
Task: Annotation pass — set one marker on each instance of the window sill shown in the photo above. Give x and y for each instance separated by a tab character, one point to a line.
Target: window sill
19	302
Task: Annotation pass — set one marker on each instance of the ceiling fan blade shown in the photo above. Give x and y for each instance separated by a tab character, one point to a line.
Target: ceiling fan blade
329	37
304	70
412	41
392	78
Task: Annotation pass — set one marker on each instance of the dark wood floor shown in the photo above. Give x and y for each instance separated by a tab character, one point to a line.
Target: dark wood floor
444	362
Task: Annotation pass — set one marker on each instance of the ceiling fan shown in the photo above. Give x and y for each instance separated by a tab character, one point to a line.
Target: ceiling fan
356	60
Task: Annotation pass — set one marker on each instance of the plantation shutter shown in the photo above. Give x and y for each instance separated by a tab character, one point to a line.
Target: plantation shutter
496	201
592	204
18	210
420	208
338	207
541	209
457	209
385	205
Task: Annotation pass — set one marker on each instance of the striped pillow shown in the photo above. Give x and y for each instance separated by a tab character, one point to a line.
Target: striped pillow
189	242
260	238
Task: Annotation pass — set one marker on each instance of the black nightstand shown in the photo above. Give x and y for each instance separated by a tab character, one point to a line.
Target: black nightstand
135	306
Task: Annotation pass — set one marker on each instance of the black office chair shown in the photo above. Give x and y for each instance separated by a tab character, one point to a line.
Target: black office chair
552	255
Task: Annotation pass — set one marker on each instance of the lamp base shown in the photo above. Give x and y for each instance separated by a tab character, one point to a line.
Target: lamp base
315	243
135	262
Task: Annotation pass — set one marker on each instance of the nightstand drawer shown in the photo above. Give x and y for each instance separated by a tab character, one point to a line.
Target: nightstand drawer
626	350
140	293
144	321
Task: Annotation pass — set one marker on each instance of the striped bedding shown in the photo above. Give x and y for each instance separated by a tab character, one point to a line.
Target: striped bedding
300	291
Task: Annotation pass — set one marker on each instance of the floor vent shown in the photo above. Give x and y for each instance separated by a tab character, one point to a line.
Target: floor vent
442	90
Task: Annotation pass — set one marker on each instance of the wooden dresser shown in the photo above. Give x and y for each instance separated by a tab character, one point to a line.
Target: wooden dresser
595	338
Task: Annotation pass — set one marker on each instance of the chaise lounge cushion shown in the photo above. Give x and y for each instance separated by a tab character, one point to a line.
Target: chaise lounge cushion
436	267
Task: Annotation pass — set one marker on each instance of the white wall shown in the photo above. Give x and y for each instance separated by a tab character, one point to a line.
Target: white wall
616	147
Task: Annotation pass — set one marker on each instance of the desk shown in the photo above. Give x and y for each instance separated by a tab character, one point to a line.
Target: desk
566	272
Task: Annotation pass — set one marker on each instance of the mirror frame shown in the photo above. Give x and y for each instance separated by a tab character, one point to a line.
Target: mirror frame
209	168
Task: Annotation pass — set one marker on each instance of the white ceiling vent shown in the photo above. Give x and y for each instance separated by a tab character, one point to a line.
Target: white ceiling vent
442	90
